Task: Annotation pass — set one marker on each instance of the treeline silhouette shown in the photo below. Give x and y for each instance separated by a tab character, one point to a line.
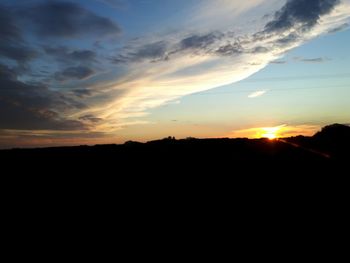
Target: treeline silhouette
330	146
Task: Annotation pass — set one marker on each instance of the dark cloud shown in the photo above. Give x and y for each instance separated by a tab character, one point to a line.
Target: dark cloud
237	48
9	31
79	72
67	55
82	55
154	52
17	52
199	41
33	107
12	45
230	49
289	39
305	12
90	118
7	73
81	93
67	20
278	62
260	50
311	60
161	50
295	14
120	59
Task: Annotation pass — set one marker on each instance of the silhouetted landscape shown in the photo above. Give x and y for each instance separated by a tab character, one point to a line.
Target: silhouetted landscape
330	146
80	78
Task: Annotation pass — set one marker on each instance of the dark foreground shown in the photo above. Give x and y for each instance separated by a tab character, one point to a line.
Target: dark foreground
328	148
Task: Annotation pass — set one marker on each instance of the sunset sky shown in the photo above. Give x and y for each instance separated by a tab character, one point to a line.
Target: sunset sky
108	71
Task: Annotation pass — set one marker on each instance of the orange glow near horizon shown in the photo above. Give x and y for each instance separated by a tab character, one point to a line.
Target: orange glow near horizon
275	132
271	132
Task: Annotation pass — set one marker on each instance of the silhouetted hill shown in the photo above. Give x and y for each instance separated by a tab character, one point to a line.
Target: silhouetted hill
335	134
333	140
328	147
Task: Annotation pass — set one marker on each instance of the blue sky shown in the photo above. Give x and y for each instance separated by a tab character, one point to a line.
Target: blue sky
102	71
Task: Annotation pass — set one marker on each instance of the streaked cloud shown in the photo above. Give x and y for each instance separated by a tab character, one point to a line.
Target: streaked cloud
202	61
339	28
312	60
257	93
278	62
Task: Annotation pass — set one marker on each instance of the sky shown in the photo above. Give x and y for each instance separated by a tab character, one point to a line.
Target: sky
78	72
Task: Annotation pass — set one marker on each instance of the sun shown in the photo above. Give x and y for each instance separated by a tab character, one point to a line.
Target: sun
270	136
271	132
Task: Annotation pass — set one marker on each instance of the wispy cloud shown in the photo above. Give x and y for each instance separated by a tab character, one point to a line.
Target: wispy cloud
339	28
312	60
257	93
200	61
278	62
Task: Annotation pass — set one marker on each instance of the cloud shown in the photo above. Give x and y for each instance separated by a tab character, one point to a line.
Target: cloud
164	50
90	118
339	28
9	31
33	106
199	41
57	19
154	52
312	60
200	61
81	93
68	55
150	51
71	73
12	45
230	49
303	13
17	52
278	62
257	93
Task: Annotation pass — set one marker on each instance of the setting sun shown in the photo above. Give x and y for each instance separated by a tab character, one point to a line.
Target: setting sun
270	136
271	132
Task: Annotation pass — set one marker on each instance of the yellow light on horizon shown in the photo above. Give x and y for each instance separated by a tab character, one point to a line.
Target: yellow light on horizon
271	132
270	136
275	132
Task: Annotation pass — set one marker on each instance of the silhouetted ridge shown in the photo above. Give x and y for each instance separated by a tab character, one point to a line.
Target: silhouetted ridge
335	139
334	132
328	147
